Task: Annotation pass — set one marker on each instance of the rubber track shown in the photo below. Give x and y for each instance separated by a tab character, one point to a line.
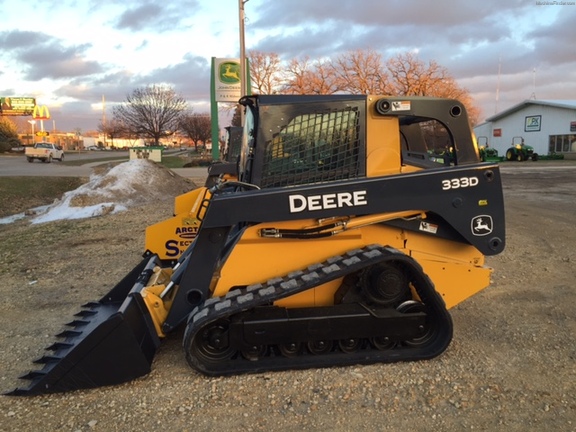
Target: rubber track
241	300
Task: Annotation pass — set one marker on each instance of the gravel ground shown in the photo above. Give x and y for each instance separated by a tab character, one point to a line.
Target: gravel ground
510	367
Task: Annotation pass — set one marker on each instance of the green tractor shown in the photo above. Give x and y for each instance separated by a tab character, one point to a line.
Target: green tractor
520	151
487	153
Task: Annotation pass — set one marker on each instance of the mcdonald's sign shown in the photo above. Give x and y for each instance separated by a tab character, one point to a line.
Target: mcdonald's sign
40	112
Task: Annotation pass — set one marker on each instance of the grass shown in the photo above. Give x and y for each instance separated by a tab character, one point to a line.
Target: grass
18	194
85	161
173	161
167	161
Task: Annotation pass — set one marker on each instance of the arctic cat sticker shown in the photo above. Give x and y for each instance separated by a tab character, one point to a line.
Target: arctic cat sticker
174	248
482	225
183	236
186	232
300	203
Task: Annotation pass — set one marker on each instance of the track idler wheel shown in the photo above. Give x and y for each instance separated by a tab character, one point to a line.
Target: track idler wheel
211	343
428	332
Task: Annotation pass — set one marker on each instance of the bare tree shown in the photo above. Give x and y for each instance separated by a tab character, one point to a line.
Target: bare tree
358	72
324	81
237	116
152	111
361	71
298	72
265	72
410	76
306	77
198	127
113	129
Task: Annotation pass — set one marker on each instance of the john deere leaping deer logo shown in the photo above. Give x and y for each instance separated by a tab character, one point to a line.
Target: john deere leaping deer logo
229	73
482	225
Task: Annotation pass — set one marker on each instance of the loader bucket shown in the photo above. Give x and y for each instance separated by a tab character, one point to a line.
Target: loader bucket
110	342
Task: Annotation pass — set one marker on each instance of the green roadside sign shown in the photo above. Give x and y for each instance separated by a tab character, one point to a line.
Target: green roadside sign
17	106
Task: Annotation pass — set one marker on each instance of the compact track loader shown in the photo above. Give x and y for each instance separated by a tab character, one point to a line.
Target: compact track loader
351	227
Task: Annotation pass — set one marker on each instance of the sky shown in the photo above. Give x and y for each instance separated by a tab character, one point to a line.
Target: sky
73	54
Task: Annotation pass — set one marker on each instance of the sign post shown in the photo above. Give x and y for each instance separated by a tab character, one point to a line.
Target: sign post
32	123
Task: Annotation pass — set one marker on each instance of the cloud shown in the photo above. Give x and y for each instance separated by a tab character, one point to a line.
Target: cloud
43	56
142	16
124	45
190	77
158	17
392	13
555	43
17	39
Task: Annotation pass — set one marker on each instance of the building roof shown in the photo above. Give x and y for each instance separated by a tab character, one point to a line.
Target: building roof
557	103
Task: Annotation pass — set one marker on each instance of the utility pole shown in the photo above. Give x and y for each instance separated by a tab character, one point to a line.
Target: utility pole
533	96
103	111
243	74
498	85
104	119
243	85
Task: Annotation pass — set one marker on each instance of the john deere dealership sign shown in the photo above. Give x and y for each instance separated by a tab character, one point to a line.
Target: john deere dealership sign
225	86
226	79
17	106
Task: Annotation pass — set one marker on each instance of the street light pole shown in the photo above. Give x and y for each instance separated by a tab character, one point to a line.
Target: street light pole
243	73
32	123
242	49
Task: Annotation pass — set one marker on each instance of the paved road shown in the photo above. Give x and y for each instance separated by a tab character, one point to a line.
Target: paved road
17	165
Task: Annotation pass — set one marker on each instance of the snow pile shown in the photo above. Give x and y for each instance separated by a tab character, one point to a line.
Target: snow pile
112	190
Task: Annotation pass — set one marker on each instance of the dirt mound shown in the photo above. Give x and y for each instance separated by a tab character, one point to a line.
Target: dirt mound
133	182
113	188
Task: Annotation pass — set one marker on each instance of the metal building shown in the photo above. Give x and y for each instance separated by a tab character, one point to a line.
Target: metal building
547	125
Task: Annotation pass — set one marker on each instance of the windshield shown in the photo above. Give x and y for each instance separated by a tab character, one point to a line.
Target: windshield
247	146
313	147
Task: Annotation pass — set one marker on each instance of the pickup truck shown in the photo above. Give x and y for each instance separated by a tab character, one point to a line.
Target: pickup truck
45	152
